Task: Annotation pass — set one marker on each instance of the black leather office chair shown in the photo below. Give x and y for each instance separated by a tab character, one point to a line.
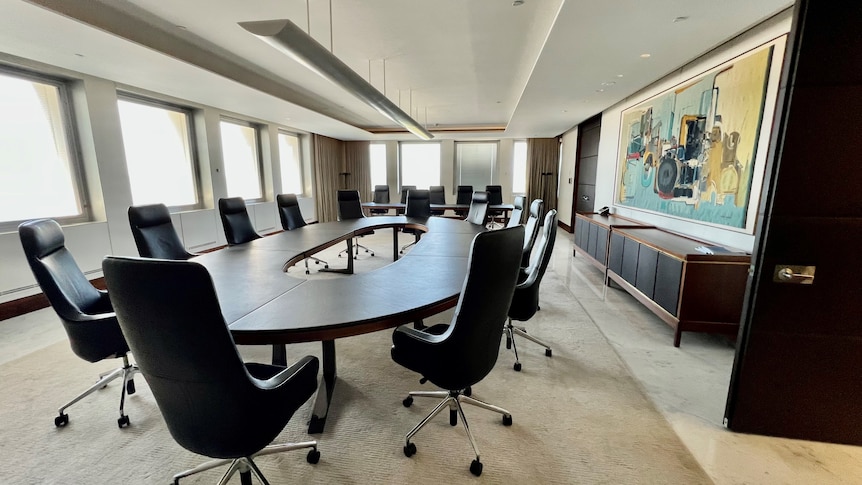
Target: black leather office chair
437	195
212	403
236	222
154	233
291	218
381	196
532	229
517	211
418	205
350	207
495	197
525	301
404	190
478	209
458	355
86	312
463	196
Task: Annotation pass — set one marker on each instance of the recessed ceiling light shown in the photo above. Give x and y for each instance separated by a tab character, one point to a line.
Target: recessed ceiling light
181	27
619	75
645	56
609	83
600	90
679	19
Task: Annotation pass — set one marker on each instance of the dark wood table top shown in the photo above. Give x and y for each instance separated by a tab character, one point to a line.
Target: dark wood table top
264	305
398	205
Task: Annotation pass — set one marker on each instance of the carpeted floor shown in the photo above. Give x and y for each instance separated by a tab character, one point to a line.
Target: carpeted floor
578	418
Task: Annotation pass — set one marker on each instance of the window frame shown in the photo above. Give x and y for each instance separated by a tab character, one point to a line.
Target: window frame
299	160
401	160
385	162
258	128
192	141
494	166
73	145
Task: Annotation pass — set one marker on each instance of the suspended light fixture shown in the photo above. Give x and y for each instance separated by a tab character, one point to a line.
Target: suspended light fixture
285	36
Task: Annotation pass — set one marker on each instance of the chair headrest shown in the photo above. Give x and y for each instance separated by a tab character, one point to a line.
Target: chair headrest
286	200
381	188
519	202
480	197
149	215
348	195
536	208
416	194
41	237
231	205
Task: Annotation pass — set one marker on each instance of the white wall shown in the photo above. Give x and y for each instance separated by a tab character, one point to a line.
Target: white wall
610	133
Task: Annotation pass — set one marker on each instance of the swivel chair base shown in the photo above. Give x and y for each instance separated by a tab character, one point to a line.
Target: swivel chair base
452	399
511	330
316	261
246	466
415	240
127	371
357	246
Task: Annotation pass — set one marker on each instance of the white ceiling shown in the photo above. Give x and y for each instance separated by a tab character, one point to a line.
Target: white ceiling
536	69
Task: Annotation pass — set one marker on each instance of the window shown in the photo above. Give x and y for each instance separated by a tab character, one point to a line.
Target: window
39	174
519	170
239	144
420	164
475	163
159	154
291	163
377	156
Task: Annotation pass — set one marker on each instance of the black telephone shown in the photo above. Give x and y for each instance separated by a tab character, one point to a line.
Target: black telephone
604	211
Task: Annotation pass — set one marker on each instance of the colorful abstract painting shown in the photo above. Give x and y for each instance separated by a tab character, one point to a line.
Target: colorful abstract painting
690	152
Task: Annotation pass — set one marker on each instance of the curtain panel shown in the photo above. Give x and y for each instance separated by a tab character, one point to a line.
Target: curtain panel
329	163
543	160
357	166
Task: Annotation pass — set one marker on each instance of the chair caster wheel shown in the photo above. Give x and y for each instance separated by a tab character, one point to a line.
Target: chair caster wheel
548	353
123	421
409	450
476	467
507	420
130	387
453	417
61	420
307	272
317	262
408	401
517	367
326	266
468	391
313	456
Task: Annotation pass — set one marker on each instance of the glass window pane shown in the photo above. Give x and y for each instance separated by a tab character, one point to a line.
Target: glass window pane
519	171
420	164
157	142
241	161
378	163
476	163
37	176
291	164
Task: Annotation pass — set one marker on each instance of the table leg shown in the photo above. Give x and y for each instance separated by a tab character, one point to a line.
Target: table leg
349	269
324	390
395	244
279	354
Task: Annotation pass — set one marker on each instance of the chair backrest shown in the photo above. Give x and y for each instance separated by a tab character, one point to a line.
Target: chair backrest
525	301
154	233
170	315
418	203
86	312
288	212
236	222
349	205
495	194
404	190
532	228
381	194
517	211
437	194
478	209
464	194
472	341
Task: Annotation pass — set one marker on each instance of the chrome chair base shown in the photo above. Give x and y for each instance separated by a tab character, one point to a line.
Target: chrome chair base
452	400
127	372
357	246
415	240
246	466
511	330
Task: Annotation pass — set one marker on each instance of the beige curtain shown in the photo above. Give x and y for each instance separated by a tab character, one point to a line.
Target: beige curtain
357	165
328	166
543	160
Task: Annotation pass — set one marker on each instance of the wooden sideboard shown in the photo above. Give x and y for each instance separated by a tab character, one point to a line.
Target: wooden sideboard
668	273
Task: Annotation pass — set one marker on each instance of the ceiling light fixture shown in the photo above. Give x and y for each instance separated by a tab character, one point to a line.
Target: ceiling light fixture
517	3
285	36
679	19
645	56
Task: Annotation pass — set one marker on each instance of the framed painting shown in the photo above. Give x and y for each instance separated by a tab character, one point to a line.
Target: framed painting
697	151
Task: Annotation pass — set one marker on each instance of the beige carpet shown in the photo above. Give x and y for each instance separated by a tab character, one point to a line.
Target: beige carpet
578	418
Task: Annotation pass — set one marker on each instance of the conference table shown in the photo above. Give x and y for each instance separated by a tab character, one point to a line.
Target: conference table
505	209
264	304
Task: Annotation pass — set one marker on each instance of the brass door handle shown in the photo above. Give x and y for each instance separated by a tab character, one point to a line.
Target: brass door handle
800	275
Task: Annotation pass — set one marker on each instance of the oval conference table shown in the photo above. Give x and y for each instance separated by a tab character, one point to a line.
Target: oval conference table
263	304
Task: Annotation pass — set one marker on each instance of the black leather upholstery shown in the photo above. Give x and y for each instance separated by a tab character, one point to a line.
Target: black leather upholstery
437	194
381	196
86	312
532	229
464	195
349	205
154	233
495	197
517	211
213	404
288	211
478	209
236	222
525	301
404	190
459	354
418	203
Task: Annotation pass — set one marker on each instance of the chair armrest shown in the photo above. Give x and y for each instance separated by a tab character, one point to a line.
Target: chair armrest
406	334
267	376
